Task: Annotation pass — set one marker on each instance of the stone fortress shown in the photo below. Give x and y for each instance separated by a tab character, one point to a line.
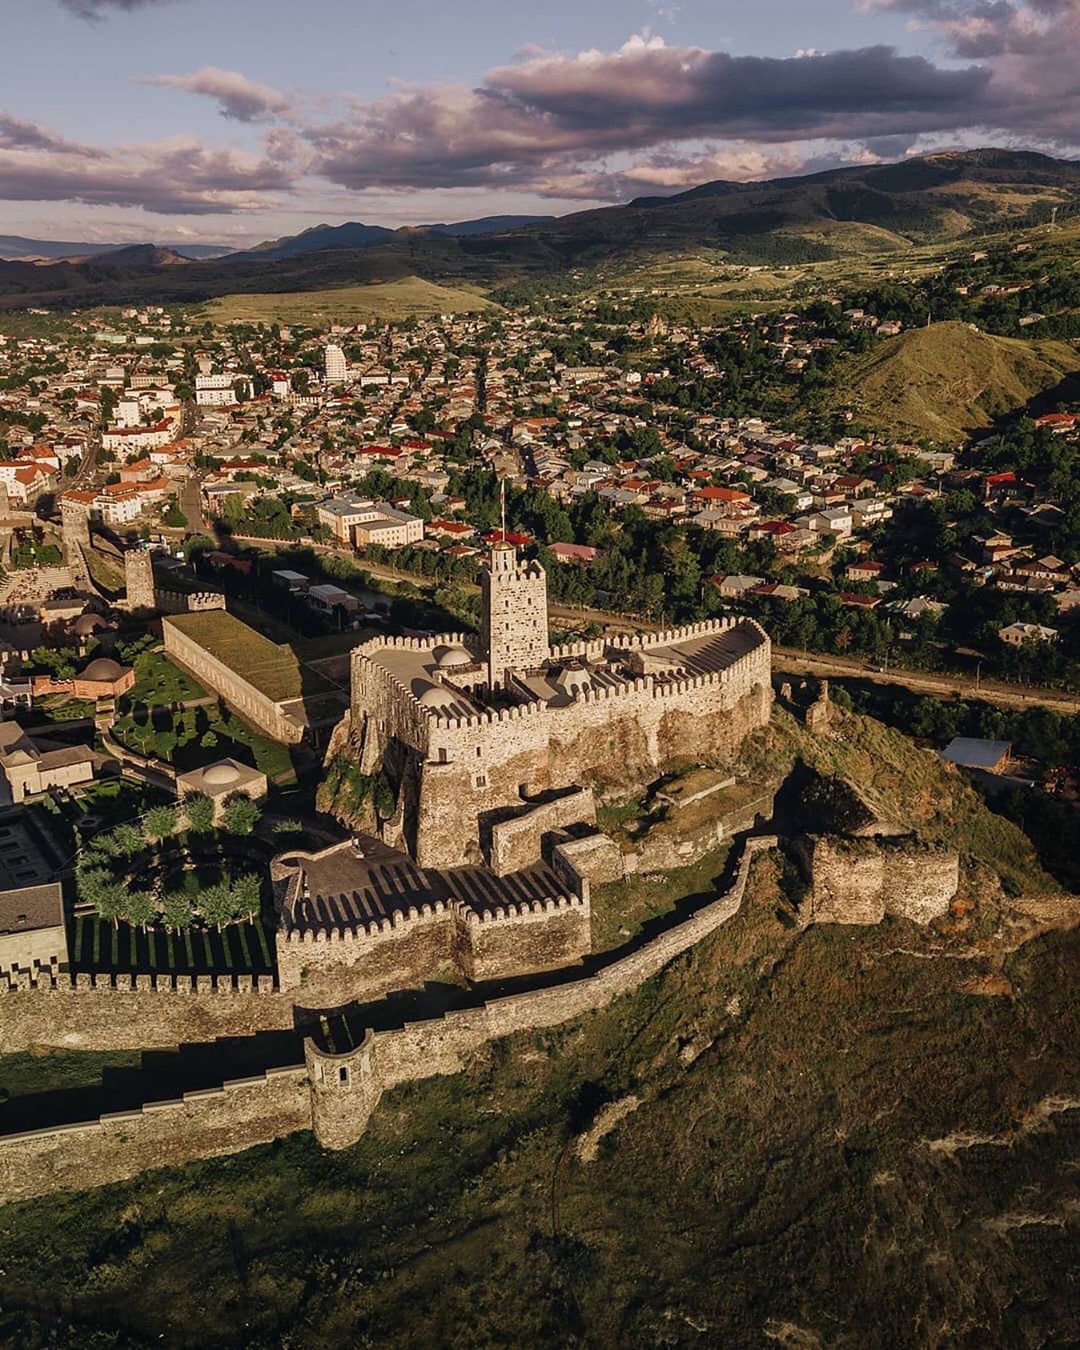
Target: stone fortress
497	748
476	734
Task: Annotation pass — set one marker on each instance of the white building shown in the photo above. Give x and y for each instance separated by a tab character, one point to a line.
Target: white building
215	391
336	368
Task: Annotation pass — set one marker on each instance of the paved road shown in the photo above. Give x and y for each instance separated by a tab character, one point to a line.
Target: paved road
941	686
784	659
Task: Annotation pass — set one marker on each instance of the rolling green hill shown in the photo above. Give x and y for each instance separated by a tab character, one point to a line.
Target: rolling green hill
840	1137
859	212
949	378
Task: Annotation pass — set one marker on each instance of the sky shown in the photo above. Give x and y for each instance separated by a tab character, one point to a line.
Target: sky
232	121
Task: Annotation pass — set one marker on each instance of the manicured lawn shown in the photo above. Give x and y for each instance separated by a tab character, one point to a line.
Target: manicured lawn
105	948
178	737
159	682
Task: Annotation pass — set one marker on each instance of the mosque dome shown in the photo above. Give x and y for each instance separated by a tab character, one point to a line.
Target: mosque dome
435	696
220	775
447	658
103	671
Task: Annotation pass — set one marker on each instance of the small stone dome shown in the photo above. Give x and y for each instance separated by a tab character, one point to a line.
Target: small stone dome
88	623
220	775
449	657
103	670
435	696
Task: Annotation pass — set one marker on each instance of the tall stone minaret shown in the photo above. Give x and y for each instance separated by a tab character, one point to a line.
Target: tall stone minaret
515	620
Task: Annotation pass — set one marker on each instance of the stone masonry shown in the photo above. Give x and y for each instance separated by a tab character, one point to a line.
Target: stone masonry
862	880
462	751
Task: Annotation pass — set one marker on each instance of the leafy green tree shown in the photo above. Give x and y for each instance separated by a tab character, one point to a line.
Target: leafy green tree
199	810
177	910
247	895
218	905
128	839
141	908
113	902
160	822
91	883
58	661
240	815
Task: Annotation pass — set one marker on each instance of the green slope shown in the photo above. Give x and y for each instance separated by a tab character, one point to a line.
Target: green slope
845	1137
949	378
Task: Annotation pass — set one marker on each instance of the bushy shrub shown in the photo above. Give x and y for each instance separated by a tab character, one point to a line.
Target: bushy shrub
199	810
240	815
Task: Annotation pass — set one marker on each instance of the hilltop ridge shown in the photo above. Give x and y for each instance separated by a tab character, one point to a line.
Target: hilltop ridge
949	379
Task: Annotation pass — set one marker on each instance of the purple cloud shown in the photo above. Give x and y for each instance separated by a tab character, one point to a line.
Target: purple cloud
536	122
178	177
237	97
92	10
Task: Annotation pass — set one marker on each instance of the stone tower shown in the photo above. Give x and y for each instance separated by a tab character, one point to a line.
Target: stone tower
515	622
139	574
74	526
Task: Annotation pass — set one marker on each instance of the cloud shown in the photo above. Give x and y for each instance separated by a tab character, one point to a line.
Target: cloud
18	134
92	10
178	176
237	97
530	124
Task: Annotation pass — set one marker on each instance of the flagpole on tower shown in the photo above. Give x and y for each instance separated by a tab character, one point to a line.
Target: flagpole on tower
502	506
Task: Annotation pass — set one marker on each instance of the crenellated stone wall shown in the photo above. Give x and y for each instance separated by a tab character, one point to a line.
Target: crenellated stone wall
420	943
466	767
235	1116
346	1088
334	1095
187	602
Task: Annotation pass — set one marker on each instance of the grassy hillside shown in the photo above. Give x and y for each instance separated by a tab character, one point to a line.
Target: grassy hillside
947	379
840	1138
350	304
845	1137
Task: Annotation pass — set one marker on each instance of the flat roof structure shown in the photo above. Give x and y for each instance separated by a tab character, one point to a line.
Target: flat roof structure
970	752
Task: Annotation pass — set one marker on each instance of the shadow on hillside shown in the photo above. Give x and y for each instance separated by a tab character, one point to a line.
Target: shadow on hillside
162	1075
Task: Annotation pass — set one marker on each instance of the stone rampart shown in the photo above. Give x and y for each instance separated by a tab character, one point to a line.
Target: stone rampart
125	1012
862	880
515	843
187	602
333	1094
238	1115
423	942
266	714
347	1087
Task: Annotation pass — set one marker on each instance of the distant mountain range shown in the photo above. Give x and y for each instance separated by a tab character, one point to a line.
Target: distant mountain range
15	247
354	234
842	212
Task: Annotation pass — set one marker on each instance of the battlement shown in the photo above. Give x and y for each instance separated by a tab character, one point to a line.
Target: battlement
376	930
411	644
54	979
187	602
526	910
672	636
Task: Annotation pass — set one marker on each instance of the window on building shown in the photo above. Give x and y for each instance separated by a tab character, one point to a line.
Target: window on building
343	1074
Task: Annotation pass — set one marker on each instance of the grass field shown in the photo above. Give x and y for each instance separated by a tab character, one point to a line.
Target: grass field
158	681
348	304
269	667
836	1143
947	380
